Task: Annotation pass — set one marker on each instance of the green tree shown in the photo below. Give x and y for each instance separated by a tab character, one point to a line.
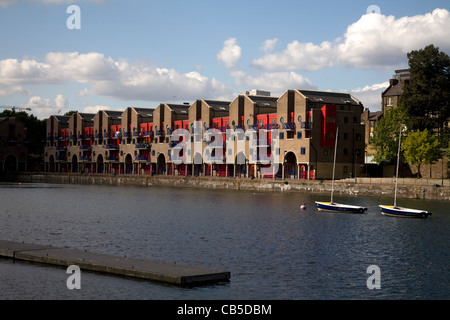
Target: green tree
386	134
69	113
421	147
427	95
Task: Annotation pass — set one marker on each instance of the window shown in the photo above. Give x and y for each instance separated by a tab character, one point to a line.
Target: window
389	102
299	135
281	135
303	150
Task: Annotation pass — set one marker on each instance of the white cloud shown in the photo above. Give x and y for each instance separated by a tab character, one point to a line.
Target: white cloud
108	77
43	108
230	53
276	82
370	95
374	41
269	45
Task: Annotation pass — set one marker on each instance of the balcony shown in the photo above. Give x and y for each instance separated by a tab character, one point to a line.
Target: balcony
160	133
173	144
63	138
289	126
61	148
126	134
306	125
98	136
112	147
72	137
61	158
85	147
112	158
85	159
142	146
142	157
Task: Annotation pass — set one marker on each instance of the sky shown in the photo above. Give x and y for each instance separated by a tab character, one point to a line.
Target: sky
63	55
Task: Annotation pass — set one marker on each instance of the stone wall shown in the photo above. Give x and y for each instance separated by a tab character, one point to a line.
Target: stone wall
384	187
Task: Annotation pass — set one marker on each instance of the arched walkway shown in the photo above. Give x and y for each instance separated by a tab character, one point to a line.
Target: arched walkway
290	166
161	164
128	164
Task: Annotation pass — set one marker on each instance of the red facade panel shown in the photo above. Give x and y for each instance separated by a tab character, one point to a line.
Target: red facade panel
328	132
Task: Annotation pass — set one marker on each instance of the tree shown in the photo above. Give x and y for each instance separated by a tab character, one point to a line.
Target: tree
421	147
69	113
427	95
385	139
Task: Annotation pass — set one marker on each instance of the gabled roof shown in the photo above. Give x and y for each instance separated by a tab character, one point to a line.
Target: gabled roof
145	112
218	105
329	97
264	101
179	108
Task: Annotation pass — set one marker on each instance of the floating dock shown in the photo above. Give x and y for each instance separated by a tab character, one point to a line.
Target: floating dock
110	264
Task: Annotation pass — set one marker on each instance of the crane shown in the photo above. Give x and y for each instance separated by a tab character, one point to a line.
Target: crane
13	108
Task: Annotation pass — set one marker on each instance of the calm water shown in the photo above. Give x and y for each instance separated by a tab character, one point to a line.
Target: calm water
272	249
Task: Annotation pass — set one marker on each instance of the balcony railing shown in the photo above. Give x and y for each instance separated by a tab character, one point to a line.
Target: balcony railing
61	148
306	125
85	159
61	158
63	138
85	147
142	157
126	134
142	145
112	147
289	126
98	136
112	158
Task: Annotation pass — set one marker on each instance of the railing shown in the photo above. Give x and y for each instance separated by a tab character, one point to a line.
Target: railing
306	125
160	133
99	136
142	157
61	148
85	147
85	158
72	137
112	147
63	138
112	158
106	135
289	126
126	134
61	158
142	145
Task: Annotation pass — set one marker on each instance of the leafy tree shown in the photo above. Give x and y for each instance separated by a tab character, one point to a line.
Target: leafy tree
69	113
386	134
421	147
427	95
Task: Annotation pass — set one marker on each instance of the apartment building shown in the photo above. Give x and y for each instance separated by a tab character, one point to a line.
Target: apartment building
390	98
56	153
13	145
255	135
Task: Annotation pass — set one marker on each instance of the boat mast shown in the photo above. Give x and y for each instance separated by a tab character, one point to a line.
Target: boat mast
398	162
334	163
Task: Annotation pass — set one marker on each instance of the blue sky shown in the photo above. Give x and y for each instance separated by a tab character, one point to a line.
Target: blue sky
142	53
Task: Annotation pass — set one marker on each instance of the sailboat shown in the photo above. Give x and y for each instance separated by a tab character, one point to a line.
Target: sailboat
333	206
394	210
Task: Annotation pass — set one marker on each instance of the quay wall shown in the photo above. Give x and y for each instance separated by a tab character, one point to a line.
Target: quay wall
430	189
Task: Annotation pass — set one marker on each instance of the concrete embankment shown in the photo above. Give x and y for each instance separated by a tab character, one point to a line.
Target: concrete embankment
430	189
110	264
